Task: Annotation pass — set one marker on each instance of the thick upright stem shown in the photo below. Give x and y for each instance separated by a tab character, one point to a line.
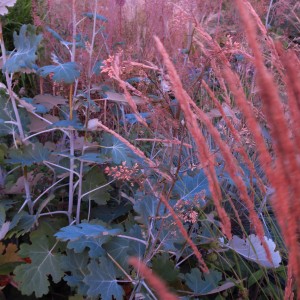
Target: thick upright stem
72	163
88	109
18	119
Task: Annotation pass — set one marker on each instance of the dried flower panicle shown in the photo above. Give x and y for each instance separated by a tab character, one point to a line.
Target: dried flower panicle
124	173
108	66
187	209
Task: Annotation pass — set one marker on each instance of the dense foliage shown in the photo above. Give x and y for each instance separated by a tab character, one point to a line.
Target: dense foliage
158	138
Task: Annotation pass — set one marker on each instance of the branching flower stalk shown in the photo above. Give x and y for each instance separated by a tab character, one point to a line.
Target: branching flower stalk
28	199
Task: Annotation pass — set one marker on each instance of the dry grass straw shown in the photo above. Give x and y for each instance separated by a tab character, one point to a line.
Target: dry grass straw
115	72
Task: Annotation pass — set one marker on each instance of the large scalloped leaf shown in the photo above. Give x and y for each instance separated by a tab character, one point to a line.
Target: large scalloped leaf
164	267
86	235
87	230
118	151
33	277
136	248
94	244
111	210
49	101
28	154
94	179
147	209
76	264
187	187
62	72
57	36
93	157
26	44
4	4
201	283
118	248
102	280
30	106
70	124
97	67
21	224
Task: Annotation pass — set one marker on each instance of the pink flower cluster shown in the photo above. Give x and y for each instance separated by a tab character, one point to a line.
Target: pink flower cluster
122	172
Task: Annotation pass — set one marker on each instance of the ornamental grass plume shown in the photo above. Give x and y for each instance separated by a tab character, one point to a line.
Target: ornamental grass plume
284	172
156	283
236	89
192	125
232	165
236	137
288	293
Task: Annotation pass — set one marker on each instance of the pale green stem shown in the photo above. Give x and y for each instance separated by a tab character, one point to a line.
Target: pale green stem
18	119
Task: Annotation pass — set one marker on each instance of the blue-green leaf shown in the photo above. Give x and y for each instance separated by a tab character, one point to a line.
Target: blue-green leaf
111	210
70	124
76	264
28	154
93	157
86	235
187	187
62	72
136	248
132	119
26	44
21	224
6	113
118	151
93	179
79	42
102	280
98	17
54	34
33	277
118	248
97	67
39	108
94	245
147	209
163	266
201	283
87	230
